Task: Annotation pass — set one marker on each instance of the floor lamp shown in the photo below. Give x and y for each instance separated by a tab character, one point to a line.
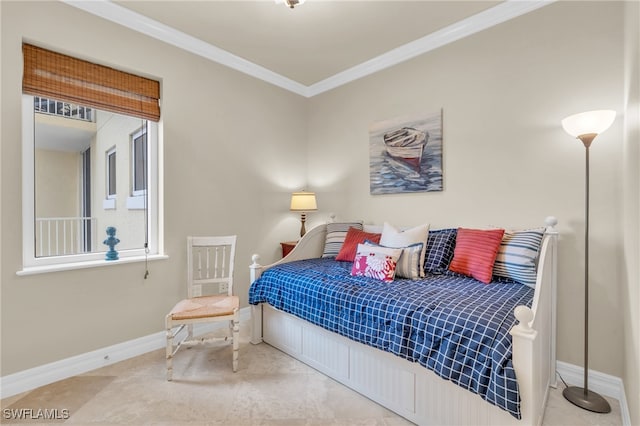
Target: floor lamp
586	126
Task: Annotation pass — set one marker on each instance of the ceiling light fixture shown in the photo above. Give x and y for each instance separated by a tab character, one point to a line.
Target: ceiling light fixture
290	3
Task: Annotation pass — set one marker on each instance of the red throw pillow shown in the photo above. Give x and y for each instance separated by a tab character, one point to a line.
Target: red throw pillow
353	238
475	253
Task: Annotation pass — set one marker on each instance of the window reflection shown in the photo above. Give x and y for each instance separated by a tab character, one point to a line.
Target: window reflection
90	173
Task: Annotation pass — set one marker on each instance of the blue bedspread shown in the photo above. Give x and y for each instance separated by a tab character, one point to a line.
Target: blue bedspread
456	326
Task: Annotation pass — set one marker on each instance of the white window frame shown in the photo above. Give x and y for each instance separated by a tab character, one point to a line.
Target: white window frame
108	154
136	200
34	265
138	133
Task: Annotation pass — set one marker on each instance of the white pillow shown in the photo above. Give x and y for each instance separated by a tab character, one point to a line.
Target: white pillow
392	237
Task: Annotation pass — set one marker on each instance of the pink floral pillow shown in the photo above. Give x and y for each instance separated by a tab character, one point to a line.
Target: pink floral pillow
376	262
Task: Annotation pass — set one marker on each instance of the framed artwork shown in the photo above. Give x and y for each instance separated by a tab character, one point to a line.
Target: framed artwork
405	154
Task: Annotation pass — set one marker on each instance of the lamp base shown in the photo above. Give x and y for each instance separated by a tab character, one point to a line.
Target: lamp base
590	401
303	219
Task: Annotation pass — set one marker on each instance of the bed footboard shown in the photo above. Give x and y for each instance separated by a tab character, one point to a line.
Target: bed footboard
534	337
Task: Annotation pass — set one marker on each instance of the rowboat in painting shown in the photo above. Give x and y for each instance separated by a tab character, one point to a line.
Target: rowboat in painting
406	144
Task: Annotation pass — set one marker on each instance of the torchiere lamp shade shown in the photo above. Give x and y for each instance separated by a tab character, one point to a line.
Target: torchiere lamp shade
587	125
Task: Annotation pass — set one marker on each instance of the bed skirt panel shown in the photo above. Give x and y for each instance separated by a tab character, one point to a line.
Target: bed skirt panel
406	388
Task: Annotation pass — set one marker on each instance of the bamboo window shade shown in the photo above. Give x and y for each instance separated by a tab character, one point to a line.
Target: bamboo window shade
65	78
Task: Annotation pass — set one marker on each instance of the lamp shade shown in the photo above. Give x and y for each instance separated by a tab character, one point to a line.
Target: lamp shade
303	202
590	122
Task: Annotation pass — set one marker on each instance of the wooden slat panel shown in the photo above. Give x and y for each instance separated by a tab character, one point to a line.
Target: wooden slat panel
61	77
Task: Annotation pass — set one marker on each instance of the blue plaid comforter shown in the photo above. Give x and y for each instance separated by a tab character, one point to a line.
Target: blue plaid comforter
456	326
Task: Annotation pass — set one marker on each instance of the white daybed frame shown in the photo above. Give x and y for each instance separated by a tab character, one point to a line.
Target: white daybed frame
408	388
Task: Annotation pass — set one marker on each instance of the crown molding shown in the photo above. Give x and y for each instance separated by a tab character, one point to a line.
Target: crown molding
481	21
505	11
134	21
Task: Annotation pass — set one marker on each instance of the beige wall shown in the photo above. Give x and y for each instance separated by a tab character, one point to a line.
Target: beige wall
57	183
507	160
224	135
630	262
235	147
57	195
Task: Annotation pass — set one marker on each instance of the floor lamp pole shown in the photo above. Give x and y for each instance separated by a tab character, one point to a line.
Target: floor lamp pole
583	397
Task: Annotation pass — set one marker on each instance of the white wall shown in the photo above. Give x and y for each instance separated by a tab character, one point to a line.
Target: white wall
114	131
507	160
630	262
224	135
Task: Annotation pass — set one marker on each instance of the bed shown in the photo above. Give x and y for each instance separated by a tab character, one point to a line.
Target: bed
444	348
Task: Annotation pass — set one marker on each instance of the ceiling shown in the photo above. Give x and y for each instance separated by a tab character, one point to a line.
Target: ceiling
316	39
315	47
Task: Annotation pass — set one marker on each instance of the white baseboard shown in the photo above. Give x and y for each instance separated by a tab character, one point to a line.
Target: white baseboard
32	378
602	383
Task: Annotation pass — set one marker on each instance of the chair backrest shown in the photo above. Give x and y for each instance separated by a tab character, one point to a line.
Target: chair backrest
210	265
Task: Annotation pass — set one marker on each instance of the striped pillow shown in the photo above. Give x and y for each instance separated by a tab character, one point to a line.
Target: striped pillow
336	233
517	256
408	265
475	252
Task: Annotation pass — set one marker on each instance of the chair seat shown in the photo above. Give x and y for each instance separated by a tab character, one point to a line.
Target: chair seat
204	307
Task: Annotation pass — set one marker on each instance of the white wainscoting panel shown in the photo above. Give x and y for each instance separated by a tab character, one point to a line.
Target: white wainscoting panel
286	335
392	386
327	355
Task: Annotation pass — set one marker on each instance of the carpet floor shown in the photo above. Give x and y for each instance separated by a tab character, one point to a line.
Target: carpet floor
269	388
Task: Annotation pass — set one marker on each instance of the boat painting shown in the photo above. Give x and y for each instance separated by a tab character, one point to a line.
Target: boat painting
406	154
406	144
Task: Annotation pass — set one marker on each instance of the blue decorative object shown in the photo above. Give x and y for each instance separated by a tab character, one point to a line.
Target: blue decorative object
111	241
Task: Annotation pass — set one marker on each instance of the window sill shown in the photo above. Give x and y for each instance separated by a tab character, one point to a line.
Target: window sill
109	204
136	202
32	270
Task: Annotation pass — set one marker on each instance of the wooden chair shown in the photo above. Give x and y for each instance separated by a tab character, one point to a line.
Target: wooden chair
209	296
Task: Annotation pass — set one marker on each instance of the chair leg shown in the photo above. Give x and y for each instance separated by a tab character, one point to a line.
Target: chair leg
236	341
190	331
169	350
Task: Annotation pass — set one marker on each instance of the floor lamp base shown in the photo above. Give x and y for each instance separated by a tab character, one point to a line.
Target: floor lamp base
590	401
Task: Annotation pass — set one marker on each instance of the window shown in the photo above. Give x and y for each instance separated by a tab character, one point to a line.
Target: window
63	228
138	161
138	168
111	173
